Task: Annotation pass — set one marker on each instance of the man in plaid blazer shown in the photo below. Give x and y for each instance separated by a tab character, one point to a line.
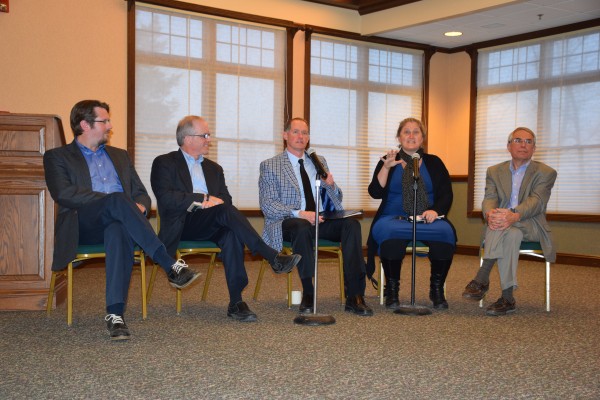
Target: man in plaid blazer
290	216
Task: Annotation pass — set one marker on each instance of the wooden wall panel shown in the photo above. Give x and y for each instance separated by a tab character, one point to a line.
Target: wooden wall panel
26	210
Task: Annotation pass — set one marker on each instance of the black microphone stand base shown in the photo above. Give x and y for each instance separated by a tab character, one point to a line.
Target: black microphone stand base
412	309
314	319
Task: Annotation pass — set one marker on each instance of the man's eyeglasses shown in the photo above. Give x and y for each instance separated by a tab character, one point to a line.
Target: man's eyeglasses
104	121
203	135
298	132
519	141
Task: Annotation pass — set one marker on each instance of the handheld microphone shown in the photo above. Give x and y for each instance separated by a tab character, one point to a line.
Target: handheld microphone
317	162
415	158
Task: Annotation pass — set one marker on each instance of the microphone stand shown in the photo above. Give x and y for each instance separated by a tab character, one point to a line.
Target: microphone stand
413	309
315	319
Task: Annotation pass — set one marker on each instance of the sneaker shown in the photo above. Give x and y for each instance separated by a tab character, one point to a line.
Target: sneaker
241	312
181	276
476	290
501	307
116	327
284	263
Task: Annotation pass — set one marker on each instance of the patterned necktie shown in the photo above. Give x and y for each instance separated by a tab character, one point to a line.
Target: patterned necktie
310	201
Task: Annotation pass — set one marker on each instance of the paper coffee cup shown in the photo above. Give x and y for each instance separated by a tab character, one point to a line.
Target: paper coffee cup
296	297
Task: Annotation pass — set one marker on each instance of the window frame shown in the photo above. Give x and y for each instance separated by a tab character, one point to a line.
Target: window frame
291	29
428	52
473	52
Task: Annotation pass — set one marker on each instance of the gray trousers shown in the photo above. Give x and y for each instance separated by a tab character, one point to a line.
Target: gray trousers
503	246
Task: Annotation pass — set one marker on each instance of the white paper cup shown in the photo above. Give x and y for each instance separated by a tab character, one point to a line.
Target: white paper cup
296	297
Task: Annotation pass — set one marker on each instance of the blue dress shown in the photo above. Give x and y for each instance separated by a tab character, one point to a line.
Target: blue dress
389	226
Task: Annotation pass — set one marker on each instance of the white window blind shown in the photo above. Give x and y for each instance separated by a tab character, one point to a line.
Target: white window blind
552	86
359	93
231	73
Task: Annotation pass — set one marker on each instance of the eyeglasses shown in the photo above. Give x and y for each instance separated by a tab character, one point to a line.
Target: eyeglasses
519	141
203	135
104	121
298	132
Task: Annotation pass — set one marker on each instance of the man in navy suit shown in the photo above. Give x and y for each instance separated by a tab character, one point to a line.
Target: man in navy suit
290	216
185	176
101	199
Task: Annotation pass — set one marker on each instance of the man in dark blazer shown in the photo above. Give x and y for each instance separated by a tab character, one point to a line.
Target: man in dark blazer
290	216
102	200
194	204
514	207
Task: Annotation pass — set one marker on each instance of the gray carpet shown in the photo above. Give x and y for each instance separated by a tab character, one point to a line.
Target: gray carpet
456	354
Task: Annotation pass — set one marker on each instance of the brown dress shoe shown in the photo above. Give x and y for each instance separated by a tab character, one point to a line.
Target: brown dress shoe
476	290
502	306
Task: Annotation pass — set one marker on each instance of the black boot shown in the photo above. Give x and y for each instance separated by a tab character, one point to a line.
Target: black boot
392	287
391	268
439	272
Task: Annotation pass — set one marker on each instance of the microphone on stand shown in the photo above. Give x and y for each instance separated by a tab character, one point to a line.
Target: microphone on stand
317	162
415	158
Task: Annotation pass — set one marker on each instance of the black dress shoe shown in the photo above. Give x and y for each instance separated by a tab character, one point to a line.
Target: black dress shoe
356	304
241	312
307	303
284	263
116	327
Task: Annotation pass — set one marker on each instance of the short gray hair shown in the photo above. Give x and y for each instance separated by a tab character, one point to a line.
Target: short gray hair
522	128
185	127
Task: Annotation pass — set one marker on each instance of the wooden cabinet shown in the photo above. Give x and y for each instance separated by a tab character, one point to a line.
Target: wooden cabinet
26	210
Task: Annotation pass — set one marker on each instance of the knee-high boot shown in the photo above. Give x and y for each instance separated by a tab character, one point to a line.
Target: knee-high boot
391	268
439	272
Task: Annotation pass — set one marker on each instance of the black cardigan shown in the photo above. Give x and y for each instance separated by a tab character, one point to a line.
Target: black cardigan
442	199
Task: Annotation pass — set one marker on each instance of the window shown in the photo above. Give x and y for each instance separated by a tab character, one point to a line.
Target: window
368	88
551	86
229	72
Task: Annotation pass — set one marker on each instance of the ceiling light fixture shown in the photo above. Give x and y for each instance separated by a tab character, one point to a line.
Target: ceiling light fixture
453	33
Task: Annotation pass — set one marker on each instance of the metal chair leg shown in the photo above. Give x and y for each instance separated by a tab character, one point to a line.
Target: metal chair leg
260	279
209	274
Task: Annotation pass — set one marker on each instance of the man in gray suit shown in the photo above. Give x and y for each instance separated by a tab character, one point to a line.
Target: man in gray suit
101	199
287	202
514	207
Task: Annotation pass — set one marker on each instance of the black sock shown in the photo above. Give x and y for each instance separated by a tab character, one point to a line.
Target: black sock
307	286
117	309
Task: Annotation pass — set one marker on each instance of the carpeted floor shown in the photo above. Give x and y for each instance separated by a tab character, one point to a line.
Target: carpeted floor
456	354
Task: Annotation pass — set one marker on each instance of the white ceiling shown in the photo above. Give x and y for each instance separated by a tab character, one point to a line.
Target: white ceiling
499	22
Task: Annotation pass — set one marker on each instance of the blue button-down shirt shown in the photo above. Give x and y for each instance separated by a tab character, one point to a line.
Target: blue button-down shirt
196	172
102	170
517	180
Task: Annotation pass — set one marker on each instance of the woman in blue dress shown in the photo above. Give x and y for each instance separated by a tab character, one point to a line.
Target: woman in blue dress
391	230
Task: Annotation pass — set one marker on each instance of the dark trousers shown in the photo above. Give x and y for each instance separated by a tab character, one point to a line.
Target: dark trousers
226	226
301	234
116	221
